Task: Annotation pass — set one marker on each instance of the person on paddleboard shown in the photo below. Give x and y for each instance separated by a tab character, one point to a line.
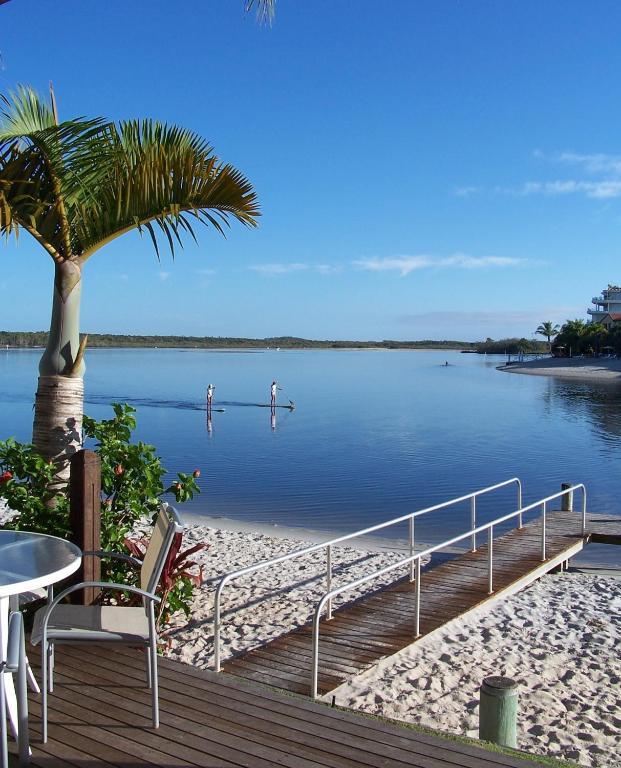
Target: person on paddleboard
210	390
273	389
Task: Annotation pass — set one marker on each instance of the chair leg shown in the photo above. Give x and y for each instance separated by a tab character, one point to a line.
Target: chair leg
23	740
44	684
3	729
51	666
148	665
32	680
154	690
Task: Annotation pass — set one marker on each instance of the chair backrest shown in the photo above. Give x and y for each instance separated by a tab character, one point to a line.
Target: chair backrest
167	524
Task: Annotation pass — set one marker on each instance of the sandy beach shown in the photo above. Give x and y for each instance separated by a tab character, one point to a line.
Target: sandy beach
559	638
587	368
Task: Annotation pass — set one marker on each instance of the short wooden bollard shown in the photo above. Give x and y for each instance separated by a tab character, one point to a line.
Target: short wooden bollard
567	500
498	711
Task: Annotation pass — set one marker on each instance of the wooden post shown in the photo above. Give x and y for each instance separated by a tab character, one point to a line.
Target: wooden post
498	711
85	513
567	501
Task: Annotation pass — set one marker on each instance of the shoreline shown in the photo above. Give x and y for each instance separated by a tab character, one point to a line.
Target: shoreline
601	370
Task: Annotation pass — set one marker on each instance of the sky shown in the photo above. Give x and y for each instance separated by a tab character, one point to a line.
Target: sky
426	169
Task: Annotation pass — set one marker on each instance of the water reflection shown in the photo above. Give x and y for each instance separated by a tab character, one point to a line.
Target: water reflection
599	404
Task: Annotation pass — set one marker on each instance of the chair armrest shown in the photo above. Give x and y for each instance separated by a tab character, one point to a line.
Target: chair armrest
101	553
14	642
102	585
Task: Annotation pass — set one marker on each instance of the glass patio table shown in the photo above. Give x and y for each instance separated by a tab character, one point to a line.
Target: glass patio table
29	561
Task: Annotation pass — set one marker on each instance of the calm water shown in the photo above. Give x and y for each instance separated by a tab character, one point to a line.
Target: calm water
375	434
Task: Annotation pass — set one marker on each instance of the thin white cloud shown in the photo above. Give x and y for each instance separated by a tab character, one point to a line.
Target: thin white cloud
278	269
518	317
466	191
601	190
595	163
284	269
406	264
206	272
163	276
328	269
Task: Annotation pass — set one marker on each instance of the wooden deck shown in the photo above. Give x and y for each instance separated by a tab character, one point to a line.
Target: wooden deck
383	623
604	529
99	717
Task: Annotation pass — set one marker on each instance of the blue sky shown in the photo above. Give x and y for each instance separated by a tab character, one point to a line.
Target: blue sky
435	169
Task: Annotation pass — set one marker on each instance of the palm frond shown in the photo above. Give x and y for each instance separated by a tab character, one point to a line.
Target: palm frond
43	166
81	183
164	176
265	9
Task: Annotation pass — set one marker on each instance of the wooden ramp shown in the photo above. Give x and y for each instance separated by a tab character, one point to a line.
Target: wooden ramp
382	623
100	714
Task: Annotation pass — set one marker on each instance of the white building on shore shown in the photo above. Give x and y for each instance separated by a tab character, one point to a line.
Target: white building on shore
607	306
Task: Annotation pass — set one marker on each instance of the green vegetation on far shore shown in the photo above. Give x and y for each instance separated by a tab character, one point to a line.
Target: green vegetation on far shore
27	339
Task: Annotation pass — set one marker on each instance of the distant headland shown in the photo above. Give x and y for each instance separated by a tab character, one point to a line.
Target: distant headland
30	339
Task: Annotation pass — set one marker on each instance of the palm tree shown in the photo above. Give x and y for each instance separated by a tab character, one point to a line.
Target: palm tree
572	334
76	185
548	330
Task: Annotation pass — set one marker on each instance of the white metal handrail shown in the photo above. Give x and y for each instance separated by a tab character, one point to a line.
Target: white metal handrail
489	527
327	545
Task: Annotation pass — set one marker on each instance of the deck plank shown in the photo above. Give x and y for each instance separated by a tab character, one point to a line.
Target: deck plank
100	710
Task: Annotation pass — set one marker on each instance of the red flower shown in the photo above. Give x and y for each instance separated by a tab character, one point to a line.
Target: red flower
118	470
177	486
6	476
196	473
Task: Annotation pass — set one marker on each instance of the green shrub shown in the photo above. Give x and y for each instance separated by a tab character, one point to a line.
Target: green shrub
132	488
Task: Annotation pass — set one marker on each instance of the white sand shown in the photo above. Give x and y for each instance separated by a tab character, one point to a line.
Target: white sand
561	638
587	368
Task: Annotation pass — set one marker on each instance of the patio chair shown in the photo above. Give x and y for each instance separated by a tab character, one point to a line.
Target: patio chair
15	663
124	625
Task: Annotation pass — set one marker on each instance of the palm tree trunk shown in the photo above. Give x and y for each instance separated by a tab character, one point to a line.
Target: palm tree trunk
59	402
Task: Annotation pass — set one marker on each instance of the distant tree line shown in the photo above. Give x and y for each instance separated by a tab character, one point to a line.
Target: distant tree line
39	339
511	346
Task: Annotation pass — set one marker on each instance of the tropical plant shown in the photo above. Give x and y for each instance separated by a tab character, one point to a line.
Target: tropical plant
76	185
593	335
177	581
132	487
548	330
572	336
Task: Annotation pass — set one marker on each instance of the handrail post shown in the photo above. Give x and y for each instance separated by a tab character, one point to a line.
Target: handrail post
216	629
490	560
329	579
315	669
519	485
583	511
417	600
543	532
473	523
412	548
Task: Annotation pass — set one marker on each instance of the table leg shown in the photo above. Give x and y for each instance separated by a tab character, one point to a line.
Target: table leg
7	680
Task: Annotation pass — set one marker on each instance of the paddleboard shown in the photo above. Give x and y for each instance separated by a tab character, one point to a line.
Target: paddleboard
268	405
